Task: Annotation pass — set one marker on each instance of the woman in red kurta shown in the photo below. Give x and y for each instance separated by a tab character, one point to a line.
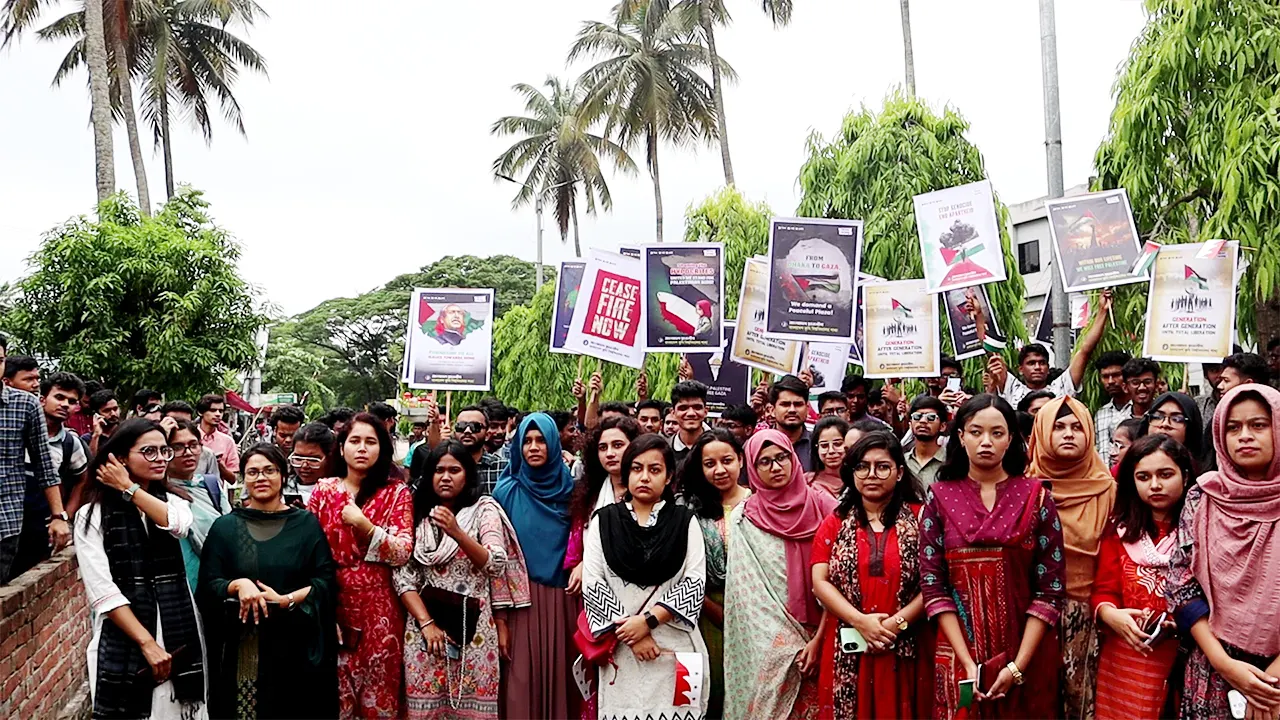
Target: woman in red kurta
368	519
866	573
1133	566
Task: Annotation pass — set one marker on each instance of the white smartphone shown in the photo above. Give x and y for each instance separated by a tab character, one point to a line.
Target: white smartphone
851	641
953	384
1237	703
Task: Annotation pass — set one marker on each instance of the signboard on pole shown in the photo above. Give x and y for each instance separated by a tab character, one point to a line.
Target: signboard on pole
1095	242
450	339
567	282
813	268
971	321
684	296
610	311
959	237
1191	304
751	346
902	330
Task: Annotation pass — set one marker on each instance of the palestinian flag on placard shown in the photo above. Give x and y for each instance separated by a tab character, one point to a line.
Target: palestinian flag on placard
993	342
1194	278
1211	249
1146	259
425	311
952	257
900	309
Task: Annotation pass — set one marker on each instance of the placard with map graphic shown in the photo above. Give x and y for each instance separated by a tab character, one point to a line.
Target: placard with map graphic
450	339
684	296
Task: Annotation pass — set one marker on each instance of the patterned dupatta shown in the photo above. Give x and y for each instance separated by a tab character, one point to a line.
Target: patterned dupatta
508	589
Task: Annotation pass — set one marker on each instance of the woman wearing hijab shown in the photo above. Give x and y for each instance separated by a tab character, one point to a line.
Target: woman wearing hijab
1175	414
1085	494
644	576
534	491
991	571
1224	578
772	623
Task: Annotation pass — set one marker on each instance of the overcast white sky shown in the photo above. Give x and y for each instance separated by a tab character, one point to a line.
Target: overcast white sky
368	150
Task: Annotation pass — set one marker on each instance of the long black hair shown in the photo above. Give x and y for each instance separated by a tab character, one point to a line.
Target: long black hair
1130	511
696	489
957	465
425	496
906	491
118	445
380	472
643	444
587	488
831	421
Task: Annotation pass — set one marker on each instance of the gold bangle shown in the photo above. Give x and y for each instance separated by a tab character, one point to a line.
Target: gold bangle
372	529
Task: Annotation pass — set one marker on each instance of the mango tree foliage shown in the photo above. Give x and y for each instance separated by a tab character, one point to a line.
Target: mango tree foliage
871	169
742	226
138	302
1194	139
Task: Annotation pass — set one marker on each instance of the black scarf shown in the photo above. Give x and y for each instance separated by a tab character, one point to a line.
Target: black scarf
645	556
146	564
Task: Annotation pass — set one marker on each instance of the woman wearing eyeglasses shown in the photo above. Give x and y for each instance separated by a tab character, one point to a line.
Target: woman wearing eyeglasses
146	655
204	492
772	623
310	462
866	573
267	594
1176	414
827	455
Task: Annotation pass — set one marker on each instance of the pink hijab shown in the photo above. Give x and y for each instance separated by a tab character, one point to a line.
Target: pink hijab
793	514
1240	520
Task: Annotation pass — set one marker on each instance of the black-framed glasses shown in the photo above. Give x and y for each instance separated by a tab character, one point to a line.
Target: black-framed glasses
764	463
472	427
269	472
924	416
151	453
883	470
1175	418
305	461
191	448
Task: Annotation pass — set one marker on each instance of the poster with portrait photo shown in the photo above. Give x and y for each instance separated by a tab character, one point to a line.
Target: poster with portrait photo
1095	242
970	321
450	339
959	236
610	311
567	283
684	297
728	382
1191	304
902	330
750	345
813	270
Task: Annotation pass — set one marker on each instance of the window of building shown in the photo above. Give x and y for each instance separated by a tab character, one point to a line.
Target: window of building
1029	257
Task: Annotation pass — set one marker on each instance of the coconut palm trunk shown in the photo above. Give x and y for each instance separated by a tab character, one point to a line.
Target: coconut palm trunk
651	139
909	56
130	116
95	50
717	89
165	146
577	242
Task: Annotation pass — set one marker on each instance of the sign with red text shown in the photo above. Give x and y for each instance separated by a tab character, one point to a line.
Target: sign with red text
610	310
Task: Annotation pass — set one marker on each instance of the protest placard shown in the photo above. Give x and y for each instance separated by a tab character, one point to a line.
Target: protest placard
812	271
1191	304
751	346
971	322
728	382
567	283
959	237
827	362
901	337
1095	242
609	312
684	295
450	339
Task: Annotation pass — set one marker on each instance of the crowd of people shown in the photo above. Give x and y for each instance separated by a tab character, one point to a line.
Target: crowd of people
994	552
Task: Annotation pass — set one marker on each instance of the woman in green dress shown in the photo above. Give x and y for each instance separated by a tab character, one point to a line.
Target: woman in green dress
267	593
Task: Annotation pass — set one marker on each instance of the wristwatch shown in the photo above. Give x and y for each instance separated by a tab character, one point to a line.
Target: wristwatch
650	620
61	516
129	491
1017	674
902	623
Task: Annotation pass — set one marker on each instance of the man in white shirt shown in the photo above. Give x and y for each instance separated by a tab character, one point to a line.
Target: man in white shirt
1033	364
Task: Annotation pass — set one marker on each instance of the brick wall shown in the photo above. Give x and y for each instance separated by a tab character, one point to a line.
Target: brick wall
44	629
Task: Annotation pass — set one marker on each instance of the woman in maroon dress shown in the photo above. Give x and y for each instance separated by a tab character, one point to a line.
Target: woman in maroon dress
992	571
368	519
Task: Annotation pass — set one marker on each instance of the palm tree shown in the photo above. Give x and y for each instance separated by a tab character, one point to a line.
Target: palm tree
561	155
16	15
710	14
648	87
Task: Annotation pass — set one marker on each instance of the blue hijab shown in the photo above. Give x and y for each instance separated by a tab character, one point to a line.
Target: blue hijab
537	502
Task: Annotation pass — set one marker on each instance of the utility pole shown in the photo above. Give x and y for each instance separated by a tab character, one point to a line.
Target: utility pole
537	208
1053	165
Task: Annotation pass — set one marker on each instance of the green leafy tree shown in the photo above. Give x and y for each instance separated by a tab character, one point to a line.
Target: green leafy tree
134	301
558	154
513	280
870	171
1194	140
743	227
647	86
